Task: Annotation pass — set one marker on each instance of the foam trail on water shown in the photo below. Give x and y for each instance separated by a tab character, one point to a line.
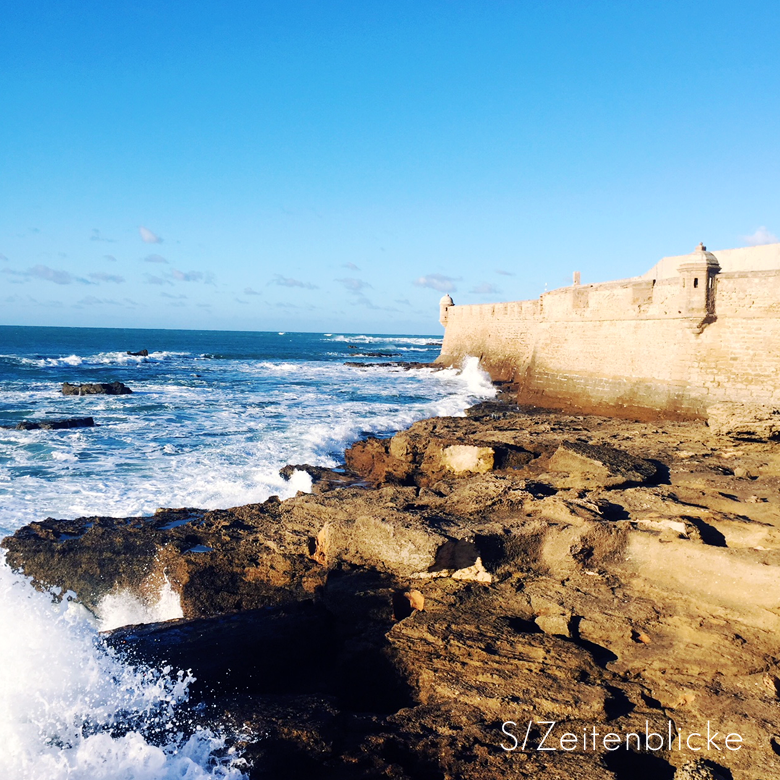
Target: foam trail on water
70	710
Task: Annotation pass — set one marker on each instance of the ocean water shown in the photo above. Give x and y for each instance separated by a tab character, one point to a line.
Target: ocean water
212	418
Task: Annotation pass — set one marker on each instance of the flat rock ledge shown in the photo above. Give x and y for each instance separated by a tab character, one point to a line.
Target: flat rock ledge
510	565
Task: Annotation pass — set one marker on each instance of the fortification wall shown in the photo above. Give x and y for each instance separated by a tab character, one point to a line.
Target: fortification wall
672	345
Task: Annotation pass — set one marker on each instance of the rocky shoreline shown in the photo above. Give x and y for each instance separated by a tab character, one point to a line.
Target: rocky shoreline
515	565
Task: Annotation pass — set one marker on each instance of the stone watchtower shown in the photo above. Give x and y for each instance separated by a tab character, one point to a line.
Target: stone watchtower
444	304
697	275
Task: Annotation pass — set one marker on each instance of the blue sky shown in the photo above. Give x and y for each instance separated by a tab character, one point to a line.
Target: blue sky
336	166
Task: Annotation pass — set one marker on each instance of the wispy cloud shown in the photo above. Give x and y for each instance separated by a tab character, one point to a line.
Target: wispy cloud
761	236
283	281
402	301
98	236
17	277
485	289
110	258
238	300
51	274
187	276
155	259
157	279
437	282
99	276
148	237
502	272
47	274
250	291
3	258
91	300
172	297
351	266
358	299
353	285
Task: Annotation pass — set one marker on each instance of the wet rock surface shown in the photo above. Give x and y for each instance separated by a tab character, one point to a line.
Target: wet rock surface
96	388
51	425
584	570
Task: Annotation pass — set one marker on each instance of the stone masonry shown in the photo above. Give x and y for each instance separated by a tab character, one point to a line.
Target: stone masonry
673	342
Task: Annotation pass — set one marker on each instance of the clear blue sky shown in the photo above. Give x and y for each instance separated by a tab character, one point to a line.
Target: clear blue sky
336	165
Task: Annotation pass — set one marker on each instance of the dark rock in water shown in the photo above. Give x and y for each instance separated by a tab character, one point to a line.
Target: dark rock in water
282	649
52	425
394	364
96	388
140	353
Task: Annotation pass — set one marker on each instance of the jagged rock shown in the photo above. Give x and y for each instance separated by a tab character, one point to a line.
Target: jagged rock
648	603
52	425
373	461
323	479
744	421
697	770
589	466
96	388
140	353
460	458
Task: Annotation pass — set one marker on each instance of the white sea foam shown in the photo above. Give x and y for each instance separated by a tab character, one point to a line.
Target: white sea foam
98	359
362	339
215	441
70	710
190	445
124	608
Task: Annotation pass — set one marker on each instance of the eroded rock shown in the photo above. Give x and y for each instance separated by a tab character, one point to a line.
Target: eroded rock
96	388
580	465
744	421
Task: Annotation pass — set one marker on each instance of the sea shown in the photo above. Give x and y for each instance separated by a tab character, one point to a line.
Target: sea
212	418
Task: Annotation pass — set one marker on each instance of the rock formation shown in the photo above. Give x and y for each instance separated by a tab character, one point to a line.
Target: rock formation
51	425
96	388
514	565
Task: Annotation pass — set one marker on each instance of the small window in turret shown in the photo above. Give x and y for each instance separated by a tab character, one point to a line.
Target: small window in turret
695	282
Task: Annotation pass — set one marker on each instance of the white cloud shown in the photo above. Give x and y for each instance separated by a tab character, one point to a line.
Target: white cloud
51	274
155	259
502	272
283	281
250	291
353	285
188	276
351	266
761	236
98	236
156	279
485	289
437	282
103	277
148	237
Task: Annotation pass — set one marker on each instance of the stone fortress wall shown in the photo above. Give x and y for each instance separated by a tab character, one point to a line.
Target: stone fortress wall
695	330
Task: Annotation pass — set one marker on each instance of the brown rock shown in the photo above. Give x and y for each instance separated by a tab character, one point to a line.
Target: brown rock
744	421
590	466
